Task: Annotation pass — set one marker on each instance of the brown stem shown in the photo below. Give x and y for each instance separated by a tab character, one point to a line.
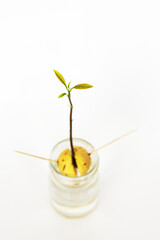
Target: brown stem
71	139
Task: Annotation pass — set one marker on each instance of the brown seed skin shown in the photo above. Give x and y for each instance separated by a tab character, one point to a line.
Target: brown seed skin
64	167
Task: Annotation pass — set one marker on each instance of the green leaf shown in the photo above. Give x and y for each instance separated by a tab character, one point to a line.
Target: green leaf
61	95
60	77
83	86
69	84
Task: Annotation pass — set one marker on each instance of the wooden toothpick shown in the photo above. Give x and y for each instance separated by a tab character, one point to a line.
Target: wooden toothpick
50	160
27	154
113	141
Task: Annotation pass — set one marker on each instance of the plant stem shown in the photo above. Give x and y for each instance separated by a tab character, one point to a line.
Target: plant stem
71	139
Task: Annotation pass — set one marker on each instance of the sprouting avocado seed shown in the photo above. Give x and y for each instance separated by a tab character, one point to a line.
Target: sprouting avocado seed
65	164
83	161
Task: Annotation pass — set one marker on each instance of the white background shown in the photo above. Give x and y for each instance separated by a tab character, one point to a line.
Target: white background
115	46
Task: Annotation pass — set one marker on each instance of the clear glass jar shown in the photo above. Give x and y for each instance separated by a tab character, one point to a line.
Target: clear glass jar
73	196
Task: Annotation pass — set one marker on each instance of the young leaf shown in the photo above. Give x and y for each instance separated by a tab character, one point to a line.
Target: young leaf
69	84
61	95
83	86
60	77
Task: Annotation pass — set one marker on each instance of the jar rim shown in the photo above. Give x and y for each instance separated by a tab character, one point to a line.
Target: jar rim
92	170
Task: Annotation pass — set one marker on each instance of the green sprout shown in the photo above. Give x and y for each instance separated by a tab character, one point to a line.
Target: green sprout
68	94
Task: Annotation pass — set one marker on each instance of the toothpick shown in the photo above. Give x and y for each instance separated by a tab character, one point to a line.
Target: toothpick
27	154
113	141
50	160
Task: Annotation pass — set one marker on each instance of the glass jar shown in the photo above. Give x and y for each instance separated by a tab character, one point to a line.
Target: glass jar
73	196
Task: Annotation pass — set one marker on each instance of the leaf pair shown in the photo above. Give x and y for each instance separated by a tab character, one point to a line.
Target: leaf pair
78	86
